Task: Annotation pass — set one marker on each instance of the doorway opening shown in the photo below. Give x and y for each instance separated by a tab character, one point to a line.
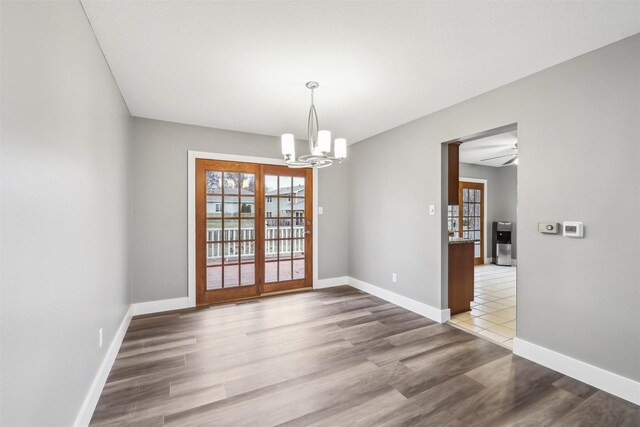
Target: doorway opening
253	230
481	233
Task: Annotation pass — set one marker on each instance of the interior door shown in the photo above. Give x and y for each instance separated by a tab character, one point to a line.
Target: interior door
253	230
287	218
471	212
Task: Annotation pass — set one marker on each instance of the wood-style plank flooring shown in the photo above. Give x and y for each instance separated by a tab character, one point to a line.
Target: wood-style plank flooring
335	357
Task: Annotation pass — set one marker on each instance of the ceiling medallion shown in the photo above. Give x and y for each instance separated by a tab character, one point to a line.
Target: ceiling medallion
319	143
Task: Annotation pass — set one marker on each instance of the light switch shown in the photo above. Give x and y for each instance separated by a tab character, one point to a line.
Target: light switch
432	209
320	210
548	227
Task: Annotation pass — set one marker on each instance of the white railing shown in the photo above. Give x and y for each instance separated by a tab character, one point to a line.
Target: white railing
246	246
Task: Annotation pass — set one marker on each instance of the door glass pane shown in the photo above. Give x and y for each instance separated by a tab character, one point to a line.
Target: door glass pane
285	249
271	250
270	185
285	207
247	251
214	254
472	195
298	186
284	186
284	229
248	206
214	278
247	227
214	180
248	184
271	272
248	274
231	276
231	182
271	228
298	248
271	206
231	252
231	206
214	206
285	270
214	230
231	229
298	269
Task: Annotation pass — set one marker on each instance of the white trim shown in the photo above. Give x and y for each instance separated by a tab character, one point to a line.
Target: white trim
485	208
331	282
610	382
422	309
159	305
93	395
191	209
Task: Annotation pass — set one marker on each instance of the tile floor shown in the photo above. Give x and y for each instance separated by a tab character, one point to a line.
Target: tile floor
493	310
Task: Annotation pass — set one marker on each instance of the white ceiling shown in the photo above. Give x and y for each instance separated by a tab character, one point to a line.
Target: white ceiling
492	146
242	65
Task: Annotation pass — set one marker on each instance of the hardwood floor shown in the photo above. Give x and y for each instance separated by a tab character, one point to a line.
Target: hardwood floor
334	357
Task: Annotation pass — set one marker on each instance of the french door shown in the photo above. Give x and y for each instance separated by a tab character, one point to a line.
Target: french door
253	230
467	219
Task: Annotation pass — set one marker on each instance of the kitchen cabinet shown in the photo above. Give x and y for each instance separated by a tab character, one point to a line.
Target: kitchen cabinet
461	254
454	172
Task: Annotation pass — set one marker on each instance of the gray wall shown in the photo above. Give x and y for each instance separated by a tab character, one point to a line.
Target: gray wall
578	146
65	202
159	243
501	198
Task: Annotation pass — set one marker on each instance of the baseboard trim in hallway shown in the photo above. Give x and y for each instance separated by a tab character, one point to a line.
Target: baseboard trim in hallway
608	381
331	282
160	306
91	400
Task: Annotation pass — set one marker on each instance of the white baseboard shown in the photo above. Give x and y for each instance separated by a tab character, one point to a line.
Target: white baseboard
160	305
422	309
333	281
615	384
91	400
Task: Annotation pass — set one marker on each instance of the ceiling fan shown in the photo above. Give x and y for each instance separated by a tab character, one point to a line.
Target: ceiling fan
513	159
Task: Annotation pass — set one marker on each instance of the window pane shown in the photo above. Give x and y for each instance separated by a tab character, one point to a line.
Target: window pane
284	206
231	276
248	206
214	180
298	269
478	196
285	270
271	272
231	183
231	204
465	195
248	274
298	185
472	195
214	278
284	186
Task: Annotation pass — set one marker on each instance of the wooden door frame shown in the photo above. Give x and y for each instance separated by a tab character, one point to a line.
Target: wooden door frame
484	213
190	300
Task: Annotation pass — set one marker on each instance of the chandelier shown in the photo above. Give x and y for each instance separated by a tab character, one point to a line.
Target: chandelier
319	143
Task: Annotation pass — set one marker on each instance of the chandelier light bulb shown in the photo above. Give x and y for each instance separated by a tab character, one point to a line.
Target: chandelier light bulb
324	141
340	148
288	145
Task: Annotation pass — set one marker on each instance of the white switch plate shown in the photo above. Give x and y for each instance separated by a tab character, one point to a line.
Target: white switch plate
432	209
100	338
394	277
320	210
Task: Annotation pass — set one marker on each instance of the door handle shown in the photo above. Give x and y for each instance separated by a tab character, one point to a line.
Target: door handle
307	233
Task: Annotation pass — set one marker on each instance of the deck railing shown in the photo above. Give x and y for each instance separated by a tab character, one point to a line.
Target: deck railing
291	241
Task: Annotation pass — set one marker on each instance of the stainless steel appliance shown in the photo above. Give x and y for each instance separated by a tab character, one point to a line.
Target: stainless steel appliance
501	242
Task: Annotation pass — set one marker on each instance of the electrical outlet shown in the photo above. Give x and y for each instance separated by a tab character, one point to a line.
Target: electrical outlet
100	338
320	210
394	277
